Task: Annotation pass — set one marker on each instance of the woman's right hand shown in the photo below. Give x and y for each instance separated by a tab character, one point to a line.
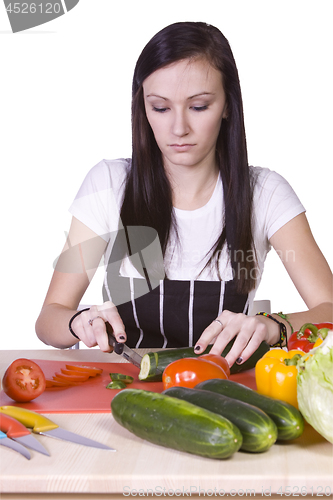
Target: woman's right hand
90	328
75	268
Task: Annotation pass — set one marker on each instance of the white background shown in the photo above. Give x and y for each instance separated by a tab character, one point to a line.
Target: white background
65	105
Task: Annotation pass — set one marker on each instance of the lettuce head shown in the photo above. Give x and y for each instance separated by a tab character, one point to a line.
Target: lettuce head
315	387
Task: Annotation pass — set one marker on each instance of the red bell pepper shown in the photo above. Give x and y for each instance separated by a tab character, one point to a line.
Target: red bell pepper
308	334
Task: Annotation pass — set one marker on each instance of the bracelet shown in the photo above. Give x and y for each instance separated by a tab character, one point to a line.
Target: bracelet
283	328
71	320
285	317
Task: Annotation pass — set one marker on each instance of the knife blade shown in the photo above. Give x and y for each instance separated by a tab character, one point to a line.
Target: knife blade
125	351
122	349
42	425
18	432
130	355
5	441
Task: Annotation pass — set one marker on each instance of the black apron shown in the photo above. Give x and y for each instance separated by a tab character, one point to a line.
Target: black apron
166	313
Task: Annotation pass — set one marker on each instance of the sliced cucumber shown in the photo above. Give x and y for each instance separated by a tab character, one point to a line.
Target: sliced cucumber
127	379
154	363
118	384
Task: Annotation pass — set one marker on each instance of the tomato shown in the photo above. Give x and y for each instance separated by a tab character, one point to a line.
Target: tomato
188	372
23	380
85	369
218	360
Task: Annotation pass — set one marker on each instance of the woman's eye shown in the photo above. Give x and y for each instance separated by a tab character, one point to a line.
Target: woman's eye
200	108
159	110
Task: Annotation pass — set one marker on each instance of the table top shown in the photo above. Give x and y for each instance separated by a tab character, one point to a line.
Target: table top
298	468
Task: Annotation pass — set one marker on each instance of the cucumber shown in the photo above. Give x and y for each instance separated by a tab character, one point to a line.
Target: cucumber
258	430
288	420
175	424
154	363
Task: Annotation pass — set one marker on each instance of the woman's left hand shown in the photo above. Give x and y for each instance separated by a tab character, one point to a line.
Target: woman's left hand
249	331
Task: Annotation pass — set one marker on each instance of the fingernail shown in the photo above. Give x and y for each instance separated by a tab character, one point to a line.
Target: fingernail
239	360
121	337
197	348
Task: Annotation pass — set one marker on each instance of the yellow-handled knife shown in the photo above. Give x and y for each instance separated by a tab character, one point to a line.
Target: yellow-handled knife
42	425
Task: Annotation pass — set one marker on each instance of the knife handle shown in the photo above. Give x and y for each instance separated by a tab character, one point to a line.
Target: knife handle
29	418
117	346
12	427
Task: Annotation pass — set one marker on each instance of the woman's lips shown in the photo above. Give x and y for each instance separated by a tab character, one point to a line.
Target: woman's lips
181	147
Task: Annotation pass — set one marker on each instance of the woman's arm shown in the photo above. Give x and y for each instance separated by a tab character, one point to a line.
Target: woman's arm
75	268
308	270
313	279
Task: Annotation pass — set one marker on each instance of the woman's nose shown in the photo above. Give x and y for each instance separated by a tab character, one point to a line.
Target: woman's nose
180	125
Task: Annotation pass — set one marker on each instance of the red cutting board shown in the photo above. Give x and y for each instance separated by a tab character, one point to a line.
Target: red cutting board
92	395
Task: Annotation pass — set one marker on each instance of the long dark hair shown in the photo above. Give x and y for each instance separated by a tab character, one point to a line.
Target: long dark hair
148	196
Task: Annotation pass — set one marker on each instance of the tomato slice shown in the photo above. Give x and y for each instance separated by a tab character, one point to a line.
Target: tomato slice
74	377
23	380
65	383
55	383
93	371
188	372
218	360
74	373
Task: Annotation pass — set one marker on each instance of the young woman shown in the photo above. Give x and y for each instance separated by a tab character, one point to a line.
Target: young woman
184	226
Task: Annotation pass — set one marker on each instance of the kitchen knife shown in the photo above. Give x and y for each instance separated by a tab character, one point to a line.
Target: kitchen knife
123	350
18	432
5	441
42	425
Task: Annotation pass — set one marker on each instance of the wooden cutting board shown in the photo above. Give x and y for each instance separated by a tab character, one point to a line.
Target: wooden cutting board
92	395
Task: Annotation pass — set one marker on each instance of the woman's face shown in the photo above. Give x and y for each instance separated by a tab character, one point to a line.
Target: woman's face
185	103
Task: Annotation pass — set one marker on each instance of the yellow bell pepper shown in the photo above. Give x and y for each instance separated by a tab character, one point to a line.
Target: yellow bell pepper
317	343
276	375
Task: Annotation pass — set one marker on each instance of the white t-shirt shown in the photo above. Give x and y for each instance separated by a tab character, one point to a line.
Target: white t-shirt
98	203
